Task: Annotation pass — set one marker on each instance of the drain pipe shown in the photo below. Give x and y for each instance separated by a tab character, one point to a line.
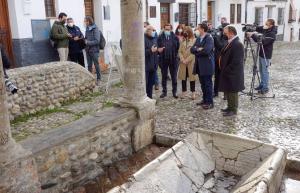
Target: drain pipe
246	11
147	12
201	10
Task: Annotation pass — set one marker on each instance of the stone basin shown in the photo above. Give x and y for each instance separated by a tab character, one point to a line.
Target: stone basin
211	162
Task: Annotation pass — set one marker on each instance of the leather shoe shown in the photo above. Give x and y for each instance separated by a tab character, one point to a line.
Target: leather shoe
225	110
163	95
175	96
263	91
207	106
258	88
200	103
229	114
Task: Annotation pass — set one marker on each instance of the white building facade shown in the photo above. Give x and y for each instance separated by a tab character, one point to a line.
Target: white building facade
25	24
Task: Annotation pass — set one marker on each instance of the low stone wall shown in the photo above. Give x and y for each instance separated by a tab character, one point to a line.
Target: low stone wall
70	156
46	86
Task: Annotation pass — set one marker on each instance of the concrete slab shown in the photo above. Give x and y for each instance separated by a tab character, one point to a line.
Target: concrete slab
212	162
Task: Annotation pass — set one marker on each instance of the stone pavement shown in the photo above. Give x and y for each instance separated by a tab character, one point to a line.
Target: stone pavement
275	121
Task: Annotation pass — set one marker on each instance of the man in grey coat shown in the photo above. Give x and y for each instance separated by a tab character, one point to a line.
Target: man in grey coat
92	40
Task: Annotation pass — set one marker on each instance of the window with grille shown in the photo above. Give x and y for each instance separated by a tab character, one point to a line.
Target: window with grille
89	8
259	16
184	14
192	15
239	13
50	8
232	13
152	11
280	19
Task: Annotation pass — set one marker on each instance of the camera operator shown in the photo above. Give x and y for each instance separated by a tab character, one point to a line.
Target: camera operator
268	32
5	61
6	65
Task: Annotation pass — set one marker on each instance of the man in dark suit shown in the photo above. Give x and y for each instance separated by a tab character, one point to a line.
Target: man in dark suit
168	45
204	66
151	59
231	63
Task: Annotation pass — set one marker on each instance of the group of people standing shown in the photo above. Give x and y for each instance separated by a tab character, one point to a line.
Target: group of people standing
188	55
70	42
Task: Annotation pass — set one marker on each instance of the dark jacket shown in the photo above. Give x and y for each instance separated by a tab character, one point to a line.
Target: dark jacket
269	37
151	59
5	60
59	34
93	37
232	67
170	52
204	61
74	46
220	42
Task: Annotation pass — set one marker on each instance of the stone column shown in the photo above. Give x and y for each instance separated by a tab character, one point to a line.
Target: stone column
134	71
17	168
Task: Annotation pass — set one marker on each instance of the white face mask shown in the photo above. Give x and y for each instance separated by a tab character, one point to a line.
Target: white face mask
180	30
266	27
70	24
197	33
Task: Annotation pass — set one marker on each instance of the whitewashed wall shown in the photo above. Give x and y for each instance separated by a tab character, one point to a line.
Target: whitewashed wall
262	4
21	15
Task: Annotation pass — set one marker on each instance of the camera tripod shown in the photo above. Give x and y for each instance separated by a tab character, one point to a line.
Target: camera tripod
255	71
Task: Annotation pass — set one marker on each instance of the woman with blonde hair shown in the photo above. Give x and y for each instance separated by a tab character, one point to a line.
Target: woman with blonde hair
187	61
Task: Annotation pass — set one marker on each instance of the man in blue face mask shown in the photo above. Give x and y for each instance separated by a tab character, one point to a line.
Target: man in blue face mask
151	59
168	45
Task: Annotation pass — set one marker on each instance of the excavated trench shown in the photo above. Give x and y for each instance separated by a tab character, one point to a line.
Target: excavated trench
291	182
204	162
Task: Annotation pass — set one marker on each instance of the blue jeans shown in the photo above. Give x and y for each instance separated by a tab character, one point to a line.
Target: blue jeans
264	73
93	58
156	78
207	89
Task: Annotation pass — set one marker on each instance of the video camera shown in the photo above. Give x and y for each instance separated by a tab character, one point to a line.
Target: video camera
249	27
10	86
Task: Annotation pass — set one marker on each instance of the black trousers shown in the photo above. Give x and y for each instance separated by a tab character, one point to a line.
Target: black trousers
217	80
150	81
192	83
173	68
207	88
77	58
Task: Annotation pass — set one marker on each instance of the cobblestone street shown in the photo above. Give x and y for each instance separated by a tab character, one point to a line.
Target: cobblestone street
275	121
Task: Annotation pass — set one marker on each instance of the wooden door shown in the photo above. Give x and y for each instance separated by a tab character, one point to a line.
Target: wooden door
209	11
184	14
5	33
164	14
89	8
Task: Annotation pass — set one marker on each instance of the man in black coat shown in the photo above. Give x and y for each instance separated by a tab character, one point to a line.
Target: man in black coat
204	67
76	43
231	62
151	59
168	46
220	41
269	32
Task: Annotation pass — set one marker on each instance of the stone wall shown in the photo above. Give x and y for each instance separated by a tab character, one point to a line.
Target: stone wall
69	156
46	86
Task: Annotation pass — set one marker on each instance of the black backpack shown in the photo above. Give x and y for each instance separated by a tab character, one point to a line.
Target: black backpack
102	42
